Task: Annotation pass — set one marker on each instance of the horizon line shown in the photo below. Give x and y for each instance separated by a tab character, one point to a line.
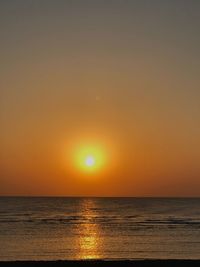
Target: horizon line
64	196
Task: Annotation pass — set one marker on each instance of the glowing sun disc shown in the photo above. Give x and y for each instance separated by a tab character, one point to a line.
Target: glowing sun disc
89	158
90	161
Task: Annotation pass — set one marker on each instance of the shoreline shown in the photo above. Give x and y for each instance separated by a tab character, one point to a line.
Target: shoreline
102	263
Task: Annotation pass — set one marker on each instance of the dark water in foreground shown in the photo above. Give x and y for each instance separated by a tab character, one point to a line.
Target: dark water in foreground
99	228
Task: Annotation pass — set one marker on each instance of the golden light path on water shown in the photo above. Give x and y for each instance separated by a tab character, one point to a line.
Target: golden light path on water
89	241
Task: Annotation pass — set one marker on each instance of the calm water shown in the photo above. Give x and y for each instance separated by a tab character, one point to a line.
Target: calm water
90	228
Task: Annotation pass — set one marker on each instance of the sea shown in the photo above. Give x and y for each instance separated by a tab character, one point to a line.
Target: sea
65	228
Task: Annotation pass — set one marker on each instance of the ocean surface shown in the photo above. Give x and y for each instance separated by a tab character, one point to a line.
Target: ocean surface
99	228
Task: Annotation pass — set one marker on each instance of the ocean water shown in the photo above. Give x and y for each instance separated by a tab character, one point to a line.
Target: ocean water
99	228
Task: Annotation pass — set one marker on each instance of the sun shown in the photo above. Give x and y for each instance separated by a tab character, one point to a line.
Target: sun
90	161
89	158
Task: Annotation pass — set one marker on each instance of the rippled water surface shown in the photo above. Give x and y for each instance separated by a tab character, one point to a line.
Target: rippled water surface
99	228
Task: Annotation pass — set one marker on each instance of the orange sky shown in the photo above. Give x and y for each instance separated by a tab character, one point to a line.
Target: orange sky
119	75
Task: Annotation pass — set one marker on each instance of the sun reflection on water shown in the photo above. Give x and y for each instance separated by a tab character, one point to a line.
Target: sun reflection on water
89	239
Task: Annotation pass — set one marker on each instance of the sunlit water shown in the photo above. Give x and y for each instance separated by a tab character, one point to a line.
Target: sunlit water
99	228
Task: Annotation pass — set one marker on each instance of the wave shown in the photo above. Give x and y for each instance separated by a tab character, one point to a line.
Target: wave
130	222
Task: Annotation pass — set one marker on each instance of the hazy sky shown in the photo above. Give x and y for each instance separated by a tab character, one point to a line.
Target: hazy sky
122	75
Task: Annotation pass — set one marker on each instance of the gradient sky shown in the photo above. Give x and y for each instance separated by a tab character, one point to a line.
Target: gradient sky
121	74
